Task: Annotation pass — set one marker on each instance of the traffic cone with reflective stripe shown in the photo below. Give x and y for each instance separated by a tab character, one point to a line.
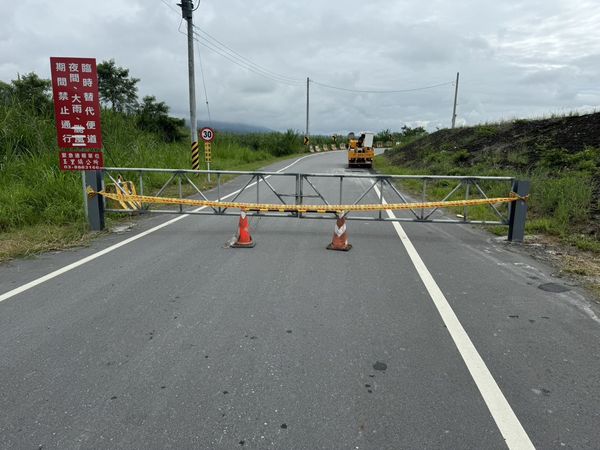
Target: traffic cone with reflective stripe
340	237
244	240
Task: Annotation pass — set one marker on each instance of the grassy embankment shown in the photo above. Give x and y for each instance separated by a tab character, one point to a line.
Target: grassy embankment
41	208
555	154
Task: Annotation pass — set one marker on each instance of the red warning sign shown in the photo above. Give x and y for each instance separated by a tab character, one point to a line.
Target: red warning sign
76	103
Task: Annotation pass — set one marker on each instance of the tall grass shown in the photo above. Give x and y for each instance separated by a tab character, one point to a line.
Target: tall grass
562	185
565	201
34	191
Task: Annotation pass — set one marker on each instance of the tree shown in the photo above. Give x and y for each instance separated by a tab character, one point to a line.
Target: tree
32	92
384	136
154	116
412	132
116	87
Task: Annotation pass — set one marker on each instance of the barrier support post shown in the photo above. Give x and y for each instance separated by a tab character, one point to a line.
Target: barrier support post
95	205
517	212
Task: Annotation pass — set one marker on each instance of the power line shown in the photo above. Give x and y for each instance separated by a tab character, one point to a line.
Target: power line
395	91
246	63
243	64
216	46
235	60
172	8
230	50
204	84
234	57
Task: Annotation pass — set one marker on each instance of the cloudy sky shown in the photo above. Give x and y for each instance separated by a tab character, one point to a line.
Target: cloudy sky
515	58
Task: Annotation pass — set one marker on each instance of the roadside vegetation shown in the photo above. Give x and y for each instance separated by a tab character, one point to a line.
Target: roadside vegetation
559	155
41	208
385	138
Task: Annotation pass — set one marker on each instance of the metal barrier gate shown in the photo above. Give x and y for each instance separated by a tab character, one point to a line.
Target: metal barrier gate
313	196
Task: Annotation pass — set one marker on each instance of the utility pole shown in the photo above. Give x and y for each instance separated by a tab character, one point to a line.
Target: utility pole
307	102
186	13
455	98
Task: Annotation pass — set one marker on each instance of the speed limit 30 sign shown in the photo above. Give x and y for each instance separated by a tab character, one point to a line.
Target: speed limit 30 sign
207	134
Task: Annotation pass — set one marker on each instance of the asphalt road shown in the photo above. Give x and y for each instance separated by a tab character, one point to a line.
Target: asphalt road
173	341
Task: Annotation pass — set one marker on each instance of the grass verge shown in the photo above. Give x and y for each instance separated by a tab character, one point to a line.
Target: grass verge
558	228
31	240
35	239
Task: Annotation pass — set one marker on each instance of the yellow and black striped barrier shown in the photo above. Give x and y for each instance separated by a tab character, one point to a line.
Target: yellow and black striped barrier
195	156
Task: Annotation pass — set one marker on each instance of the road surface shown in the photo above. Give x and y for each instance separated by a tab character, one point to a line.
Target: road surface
438	338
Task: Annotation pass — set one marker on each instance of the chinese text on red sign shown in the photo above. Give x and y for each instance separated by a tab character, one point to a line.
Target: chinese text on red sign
76	102
77	160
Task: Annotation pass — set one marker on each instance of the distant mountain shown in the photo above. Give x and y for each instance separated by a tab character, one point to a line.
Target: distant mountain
232	127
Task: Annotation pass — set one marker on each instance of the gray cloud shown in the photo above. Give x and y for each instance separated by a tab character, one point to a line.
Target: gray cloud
516	58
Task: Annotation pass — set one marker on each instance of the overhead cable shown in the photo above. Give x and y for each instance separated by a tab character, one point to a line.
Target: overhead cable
213	44
243	64
209	38
172	8
240	62
204	84
373	91
216	46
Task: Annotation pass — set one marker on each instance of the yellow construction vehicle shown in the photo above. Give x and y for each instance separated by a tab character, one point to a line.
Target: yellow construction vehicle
360	151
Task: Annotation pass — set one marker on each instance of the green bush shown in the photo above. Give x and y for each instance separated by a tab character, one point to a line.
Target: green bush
517	158
558	159
461	157
485	131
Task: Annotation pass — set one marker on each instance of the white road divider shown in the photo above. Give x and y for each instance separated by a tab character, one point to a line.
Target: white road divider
511	429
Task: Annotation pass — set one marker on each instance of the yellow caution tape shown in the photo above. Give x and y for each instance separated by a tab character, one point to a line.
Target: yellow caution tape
336	209
121	190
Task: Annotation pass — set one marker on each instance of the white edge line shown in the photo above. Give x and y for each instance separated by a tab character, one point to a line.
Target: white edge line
511	429
89	258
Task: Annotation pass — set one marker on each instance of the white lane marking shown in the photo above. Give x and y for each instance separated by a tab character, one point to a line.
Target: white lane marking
511	429
89	258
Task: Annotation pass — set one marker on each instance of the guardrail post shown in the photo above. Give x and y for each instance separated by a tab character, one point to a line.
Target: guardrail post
518	212
95	205
298	189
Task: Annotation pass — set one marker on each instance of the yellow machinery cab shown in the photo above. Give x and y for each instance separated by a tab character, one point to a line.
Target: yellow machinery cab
360	150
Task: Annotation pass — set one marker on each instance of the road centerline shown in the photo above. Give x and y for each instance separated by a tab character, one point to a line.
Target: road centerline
505	418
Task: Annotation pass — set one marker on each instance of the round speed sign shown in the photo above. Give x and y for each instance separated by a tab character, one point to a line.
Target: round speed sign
207	134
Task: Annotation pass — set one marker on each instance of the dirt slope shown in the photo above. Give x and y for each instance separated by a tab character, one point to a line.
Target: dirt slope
570	133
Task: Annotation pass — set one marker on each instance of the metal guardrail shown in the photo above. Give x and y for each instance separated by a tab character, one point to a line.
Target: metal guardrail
308	189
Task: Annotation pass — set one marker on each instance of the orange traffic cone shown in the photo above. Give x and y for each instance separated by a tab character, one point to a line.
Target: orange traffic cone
340	238
244	240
